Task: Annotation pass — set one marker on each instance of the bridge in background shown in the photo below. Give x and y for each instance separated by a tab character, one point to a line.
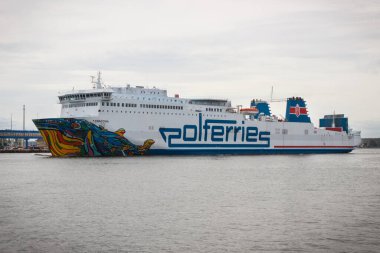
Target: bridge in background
20	134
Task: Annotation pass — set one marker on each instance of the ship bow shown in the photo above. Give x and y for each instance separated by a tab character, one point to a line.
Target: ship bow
70	137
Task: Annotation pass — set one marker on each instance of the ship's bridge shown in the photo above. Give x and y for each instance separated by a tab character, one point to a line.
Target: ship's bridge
82	95
102	92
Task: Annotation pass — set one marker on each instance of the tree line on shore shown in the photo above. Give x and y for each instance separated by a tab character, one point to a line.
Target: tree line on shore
370	143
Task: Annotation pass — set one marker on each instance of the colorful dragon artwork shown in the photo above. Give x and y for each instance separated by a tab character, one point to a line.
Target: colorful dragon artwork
78	137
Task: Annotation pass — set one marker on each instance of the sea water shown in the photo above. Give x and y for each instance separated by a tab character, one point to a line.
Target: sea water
306	203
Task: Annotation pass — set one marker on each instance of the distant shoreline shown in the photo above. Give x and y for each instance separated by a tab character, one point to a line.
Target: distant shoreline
370	143
24	151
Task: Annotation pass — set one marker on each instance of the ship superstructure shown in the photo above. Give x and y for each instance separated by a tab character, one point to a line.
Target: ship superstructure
128	120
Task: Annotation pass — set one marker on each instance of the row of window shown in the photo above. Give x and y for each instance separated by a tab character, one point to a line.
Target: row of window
118	104
83	96
159	99
80	105
152	92
164	100
165	113
149	98
170	107
213	110
285	131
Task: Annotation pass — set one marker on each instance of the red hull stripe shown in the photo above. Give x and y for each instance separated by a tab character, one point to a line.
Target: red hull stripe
303	110
336	129
313	147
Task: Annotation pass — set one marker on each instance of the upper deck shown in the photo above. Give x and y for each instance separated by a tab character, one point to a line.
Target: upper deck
103	99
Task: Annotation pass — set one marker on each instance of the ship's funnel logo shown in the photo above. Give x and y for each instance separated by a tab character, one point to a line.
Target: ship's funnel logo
298	111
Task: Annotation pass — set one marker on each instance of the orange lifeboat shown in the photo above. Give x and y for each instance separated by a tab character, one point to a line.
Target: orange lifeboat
252	110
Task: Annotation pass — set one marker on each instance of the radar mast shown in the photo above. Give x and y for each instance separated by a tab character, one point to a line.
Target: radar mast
98	84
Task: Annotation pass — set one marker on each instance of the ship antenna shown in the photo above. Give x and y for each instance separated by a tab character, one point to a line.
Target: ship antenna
271	94
92	81
98	83
333	121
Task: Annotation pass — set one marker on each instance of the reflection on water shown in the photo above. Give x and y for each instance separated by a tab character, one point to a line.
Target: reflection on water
191	204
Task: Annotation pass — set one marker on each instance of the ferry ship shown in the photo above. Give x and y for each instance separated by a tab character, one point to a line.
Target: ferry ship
127	121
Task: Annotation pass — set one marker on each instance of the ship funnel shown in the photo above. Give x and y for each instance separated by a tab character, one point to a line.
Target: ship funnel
262	107
296	110
334	122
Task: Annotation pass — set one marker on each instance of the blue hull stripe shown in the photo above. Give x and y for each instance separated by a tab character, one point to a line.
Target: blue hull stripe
245	151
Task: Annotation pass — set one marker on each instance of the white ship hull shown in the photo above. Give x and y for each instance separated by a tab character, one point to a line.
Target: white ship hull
132	121
187	134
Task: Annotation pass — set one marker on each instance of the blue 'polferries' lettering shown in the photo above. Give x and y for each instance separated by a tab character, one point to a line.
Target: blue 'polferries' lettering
222	133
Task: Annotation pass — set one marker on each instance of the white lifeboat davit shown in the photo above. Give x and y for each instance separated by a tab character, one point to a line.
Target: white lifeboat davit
249	111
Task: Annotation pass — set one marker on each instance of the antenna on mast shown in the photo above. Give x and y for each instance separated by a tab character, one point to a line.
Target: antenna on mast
333	121
271	94
92	81
98	83
271	99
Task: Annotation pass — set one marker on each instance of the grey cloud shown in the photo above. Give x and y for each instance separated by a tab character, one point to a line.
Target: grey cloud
5	123
321	50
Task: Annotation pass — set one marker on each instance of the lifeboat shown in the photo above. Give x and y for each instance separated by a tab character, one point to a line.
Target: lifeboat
249	111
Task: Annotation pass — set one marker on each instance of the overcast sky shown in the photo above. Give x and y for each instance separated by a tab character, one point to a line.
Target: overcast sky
325	51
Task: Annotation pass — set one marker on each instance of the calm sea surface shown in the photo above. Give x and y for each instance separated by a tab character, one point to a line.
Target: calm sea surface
313	203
